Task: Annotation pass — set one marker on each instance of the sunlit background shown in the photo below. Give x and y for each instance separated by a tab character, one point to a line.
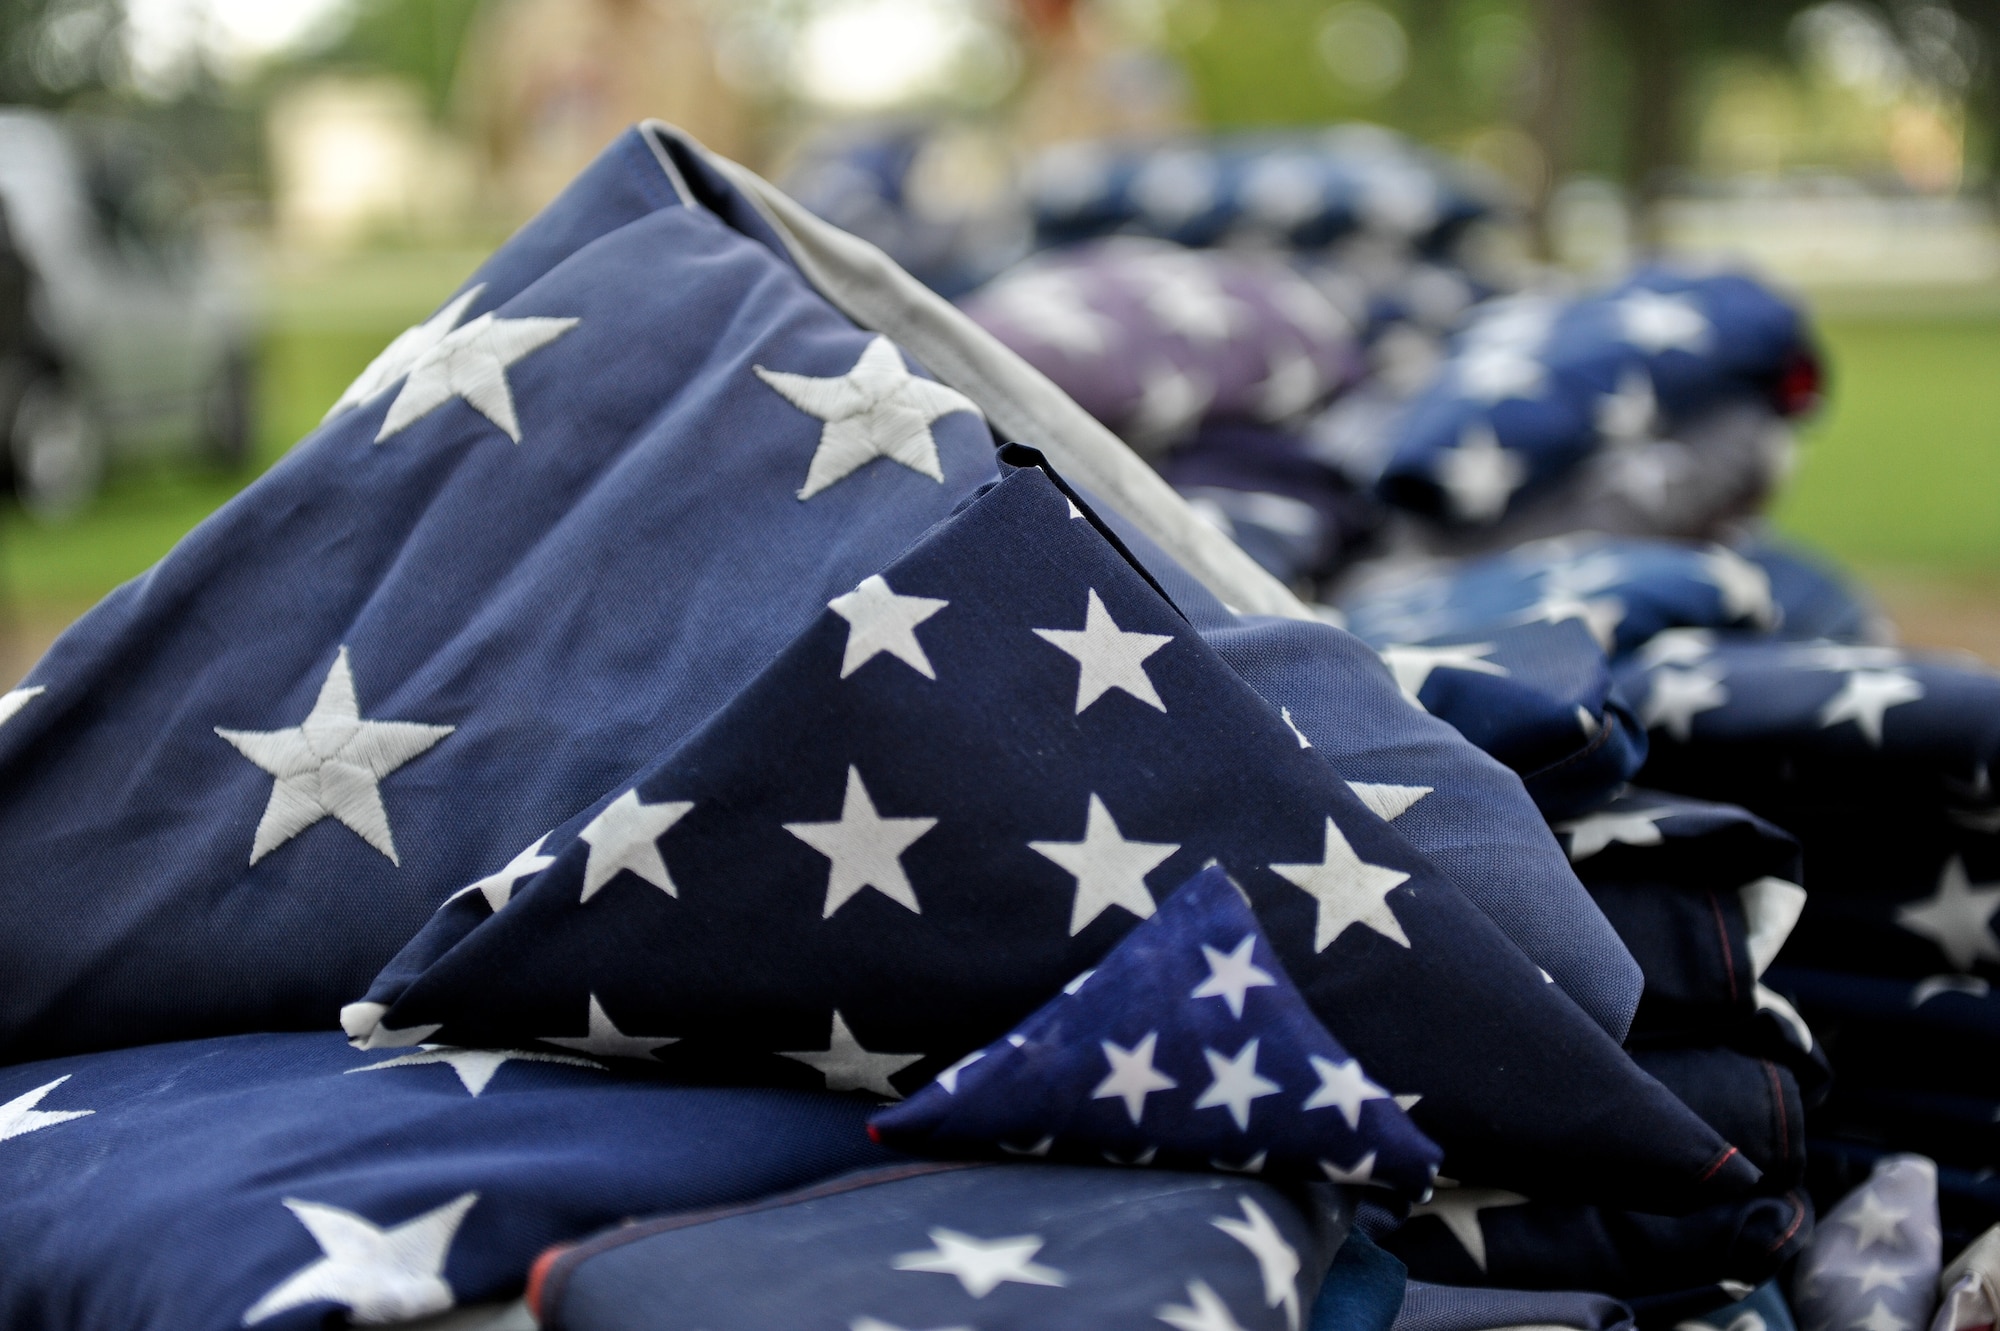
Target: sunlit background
349	161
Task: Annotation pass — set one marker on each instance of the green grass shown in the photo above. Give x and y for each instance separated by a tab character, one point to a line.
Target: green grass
1904	469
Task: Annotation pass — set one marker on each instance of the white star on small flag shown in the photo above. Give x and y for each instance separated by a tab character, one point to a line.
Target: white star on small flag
1958	917
1109	870
604	1039
982	1265
1655	322
1678	696
878	409
625	838
879	620
1349	891
1108	657
1478	476
1204	1311
1412	666
1495	374
1237	1083
1588	836
1459	1209
865	848
12	701
19	1117
1343	1086
1232	975
475	1067
847	1066
498	886
1277	1261
378	1273
330	766
1866	697
1132	1077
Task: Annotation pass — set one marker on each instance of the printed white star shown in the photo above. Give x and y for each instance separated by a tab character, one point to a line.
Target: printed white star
982	1265
1232	975
1236	1084
1108	657
849	1067
1744	586
878	409
1588	836
498	886
1291	386
1678	696
877	1324
1677	647
1182	293
879	620
1879	1318
1277	1260
1348	890
378	1274
1109	870
12	701
1386	800
625	838
475	1067
1654	322
1873	1222
329	766
1866	696
1478	476
1496	373
19	1117
1344	1086
1599	615
1629	412
363	1024
1204	1311
1360	1172
865	848
1170	401
604	1039
949	1077
1459	1209
1285	713
1958	917
471	363
1936	986
1877	1276
1412	666
409	347
1050	307
1133	1076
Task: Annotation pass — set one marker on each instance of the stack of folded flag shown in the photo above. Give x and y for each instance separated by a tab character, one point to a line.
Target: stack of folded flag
713	793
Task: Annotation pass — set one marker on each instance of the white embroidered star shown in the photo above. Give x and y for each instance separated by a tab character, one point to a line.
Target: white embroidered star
1958	917
878	409
409	347
1678	696
1277	1260
1459	1209
1654	322
1628	413
879	620
849	1067
625	838
1412	666
1236	1083
1879	1318
1866	696
1362	1171
1478	476
329	766
1204	1311
1497	373
378	1274
1108	657
475	1067
1348	890
498	887
981	1265
1109	870
1050	307
1232	975
865	848
1386	800
1638	827
19	1117
12	701
1133	1076
1344	1086
471	363
1744	586
604	1039
1873	1222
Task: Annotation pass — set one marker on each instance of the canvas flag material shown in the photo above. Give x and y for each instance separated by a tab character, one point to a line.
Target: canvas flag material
484	592
1363	1289
1538	384
278	1181
1763	1309
957	790
1874	1261
1186	1047
1432	1307
1001	1247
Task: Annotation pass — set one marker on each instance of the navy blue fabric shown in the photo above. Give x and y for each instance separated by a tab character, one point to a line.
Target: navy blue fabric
1815	600
1880	763
1363	1290
1763	1309
1086	1249
754	953
165	1204
1302	190
1475	821
1939	1035
1754	1102
1540	384
1429	1307
1128	1066
572	604
1292	513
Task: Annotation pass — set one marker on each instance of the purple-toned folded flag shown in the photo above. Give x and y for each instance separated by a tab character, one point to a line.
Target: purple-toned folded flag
1875	1260
1186	1047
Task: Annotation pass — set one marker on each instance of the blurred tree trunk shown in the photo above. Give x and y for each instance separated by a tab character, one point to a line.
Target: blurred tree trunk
1561	29
1983	99
1655	111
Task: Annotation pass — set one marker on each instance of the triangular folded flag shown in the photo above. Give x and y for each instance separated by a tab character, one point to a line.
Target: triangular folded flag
1187	1047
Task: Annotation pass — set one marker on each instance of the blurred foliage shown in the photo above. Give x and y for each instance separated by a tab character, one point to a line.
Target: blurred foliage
417	39
54	51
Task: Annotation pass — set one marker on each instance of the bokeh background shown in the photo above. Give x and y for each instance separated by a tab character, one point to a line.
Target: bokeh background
343	164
